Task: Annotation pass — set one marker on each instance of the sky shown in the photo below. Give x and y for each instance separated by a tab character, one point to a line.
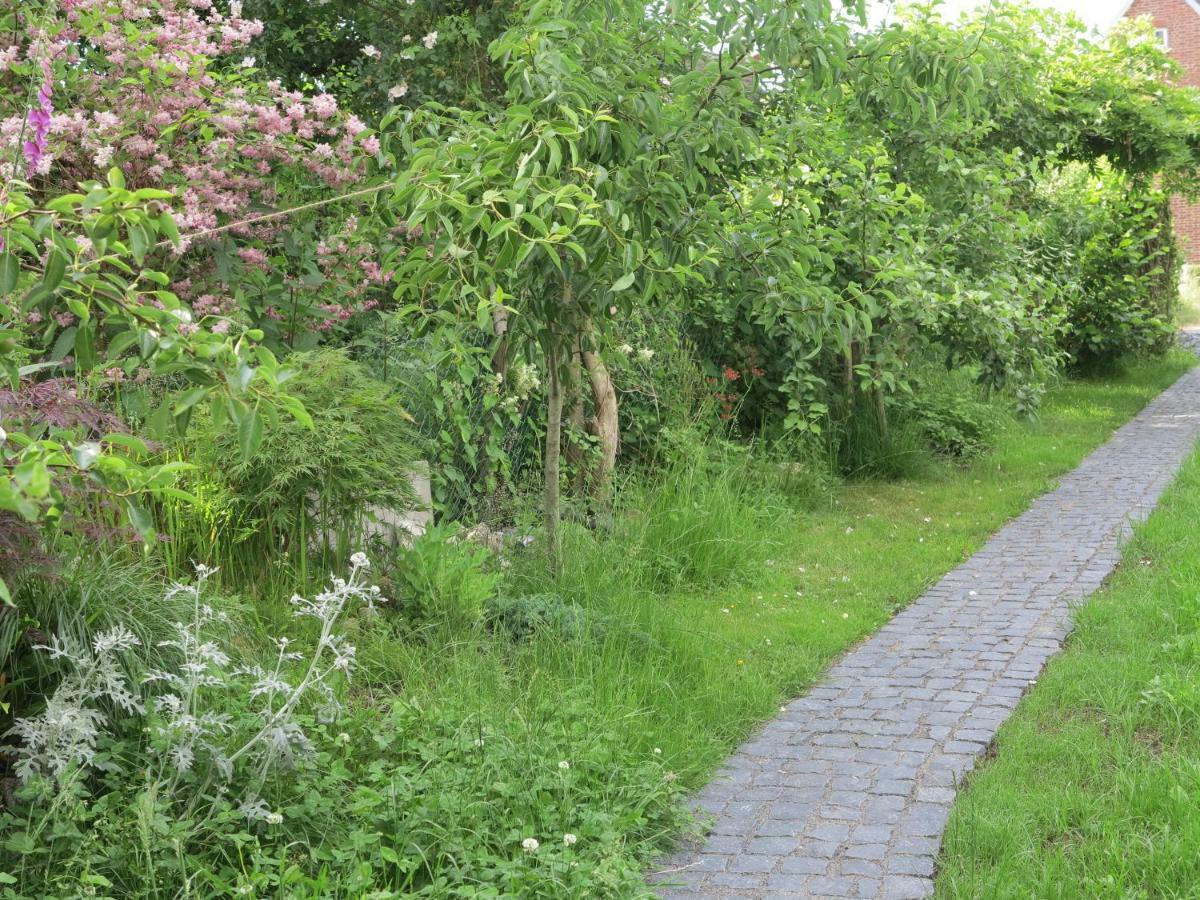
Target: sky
1098	13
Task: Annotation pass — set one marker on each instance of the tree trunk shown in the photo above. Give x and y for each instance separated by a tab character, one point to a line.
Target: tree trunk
500	329
554	408
485	469
605	425
576	418
880	401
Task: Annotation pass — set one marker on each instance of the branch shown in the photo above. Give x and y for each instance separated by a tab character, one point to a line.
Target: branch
279	214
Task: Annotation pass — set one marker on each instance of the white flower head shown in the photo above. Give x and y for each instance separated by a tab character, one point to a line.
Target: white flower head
530	845
396	91
569	839
564	765
430	40
371	52
359	561
248	62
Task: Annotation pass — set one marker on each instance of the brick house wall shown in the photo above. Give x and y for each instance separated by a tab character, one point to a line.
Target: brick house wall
1181	19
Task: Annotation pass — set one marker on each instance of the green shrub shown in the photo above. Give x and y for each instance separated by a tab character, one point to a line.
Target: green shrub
1117	264
441	579
659	382
862	444
303	488
86	593
953	419
146	763
954	426
699	520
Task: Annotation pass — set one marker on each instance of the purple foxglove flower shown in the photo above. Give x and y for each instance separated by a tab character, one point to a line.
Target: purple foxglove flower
39	121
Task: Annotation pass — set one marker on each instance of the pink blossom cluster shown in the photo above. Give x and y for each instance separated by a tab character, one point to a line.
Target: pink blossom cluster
156	101
209	305
152	101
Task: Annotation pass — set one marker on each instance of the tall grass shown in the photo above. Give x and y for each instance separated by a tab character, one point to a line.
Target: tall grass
86	593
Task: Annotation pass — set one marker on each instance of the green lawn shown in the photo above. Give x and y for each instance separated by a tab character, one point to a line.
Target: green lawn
675	674
1095	785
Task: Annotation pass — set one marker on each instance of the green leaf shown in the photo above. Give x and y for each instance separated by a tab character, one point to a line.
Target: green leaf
177	494
85	347
139	241
65	342
133	444
141	520
167	226
56	268
624	282
250	433
189	399
9	270
79	308
86	454
152	194
294	406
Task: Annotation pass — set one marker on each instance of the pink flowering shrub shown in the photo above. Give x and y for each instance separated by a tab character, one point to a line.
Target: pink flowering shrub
158	89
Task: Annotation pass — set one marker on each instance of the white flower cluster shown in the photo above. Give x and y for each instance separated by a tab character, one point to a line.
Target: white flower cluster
523	378
644	354
190	728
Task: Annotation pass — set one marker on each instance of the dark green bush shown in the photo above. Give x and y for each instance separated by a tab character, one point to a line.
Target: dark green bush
955	424
863	443
520	618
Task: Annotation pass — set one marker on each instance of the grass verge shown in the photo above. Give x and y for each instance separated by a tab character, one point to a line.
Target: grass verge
676	671
1094	788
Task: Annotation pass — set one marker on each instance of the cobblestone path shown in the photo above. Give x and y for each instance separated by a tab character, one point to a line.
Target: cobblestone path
847	792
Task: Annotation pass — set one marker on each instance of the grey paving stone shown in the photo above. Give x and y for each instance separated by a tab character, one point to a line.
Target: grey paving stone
847	793
745	863
900	864
904	888
835	886
860	867
804	865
